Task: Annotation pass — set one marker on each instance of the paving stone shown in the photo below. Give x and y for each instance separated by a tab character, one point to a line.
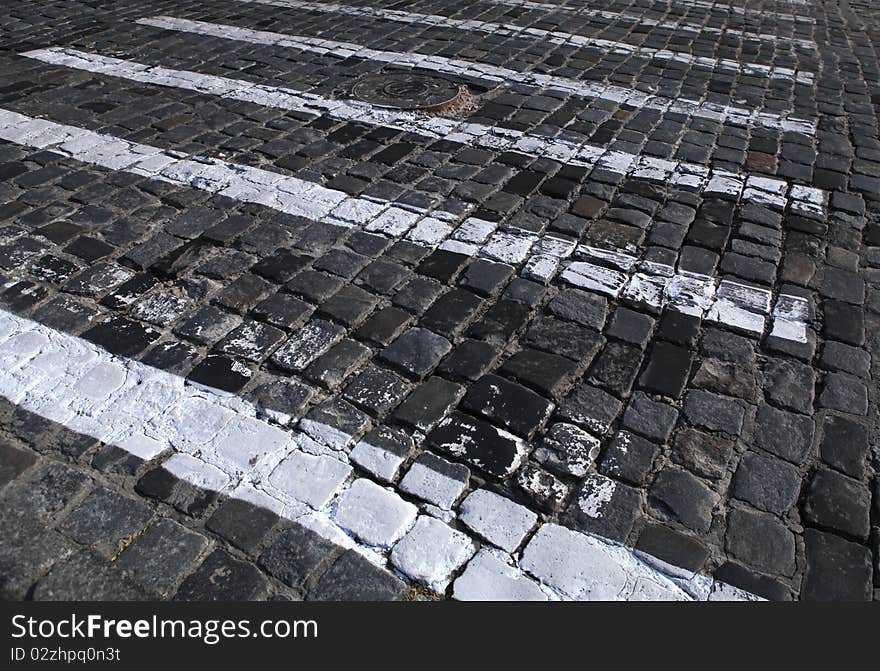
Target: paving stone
512	406
548	374
377	516
431	552
761	541
442	265
837	569
604	506
679	496
280	267
488	578
653	419
836	502
244	293
28	551
672	547
543	489
500	322
163	484
220	372
66	314
383	326
429	403
354	578
590	407
283	311
714	412
105	521
563	338
631	326
333	367
567	450
524	291
469	360
845	358
97	279
313	480
702	453
314	286
417	352
493	451
497	519
417	294
376	390
349	306
85	577
161	556
297	556
587	569
335	423
767	483
667	370
725	378
382	452
616	368
844	322
221	577
844	393
13	462
581	307
629	458
242	523
436	480
844	445
207	325
121	336
282	399
486	278
789	384
311	341
785	434
753	583
251	341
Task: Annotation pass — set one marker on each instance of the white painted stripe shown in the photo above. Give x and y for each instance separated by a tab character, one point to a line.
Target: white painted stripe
730	8
735	304
449	66
678	26
318	203
764	190
220	442
552	36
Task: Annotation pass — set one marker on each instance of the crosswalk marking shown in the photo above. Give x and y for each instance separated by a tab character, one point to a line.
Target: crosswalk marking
427	228
758	189
553	37
680	25
221	443
449	66
714	5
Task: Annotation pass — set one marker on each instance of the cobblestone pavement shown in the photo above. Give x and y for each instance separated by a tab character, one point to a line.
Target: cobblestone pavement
604	328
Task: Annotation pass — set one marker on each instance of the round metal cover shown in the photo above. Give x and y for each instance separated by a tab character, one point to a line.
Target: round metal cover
405	90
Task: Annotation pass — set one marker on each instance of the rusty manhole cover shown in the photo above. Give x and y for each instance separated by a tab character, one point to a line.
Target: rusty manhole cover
405	90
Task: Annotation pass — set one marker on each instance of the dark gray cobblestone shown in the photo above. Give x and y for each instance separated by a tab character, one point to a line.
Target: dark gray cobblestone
74	532
710	446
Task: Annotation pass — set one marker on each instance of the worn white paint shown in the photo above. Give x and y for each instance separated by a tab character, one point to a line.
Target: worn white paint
557	37
683	291
187	426
680	25
491	73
